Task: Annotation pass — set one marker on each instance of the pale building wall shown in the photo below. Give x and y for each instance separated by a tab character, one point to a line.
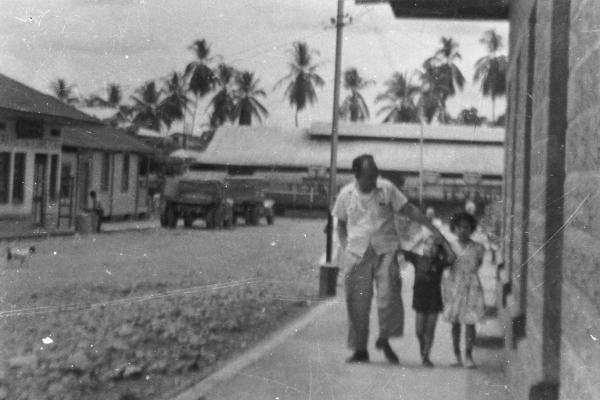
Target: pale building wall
49	146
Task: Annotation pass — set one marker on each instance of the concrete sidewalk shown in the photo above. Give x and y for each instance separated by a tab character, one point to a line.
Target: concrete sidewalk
308	362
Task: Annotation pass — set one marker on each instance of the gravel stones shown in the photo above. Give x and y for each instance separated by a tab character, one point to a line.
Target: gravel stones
78	362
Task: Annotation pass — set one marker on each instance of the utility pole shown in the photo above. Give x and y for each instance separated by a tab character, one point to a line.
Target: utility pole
339	24
421	164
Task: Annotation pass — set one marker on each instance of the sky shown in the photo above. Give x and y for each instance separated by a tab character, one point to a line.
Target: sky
91	43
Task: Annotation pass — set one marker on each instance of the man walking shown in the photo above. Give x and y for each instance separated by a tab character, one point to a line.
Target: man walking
366	210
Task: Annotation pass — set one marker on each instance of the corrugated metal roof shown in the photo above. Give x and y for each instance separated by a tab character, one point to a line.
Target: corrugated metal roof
102	113
442	133
103	138
18	97
270	146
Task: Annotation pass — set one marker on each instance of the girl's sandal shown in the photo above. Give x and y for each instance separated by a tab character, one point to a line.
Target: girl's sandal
469	364
458	363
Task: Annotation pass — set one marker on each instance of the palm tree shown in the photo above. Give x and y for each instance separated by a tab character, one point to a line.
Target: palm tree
63	91
200	76
400	98
175	103
245	97
354	106
114	95
433	93
113	99
302	78
444	76
146	109
223	102
491	69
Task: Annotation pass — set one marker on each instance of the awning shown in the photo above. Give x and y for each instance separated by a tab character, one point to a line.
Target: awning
447	9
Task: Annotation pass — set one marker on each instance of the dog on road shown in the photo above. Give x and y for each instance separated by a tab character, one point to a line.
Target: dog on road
17	254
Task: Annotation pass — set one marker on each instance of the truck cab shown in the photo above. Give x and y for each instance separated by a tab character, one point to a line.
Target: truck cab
192	198
249	199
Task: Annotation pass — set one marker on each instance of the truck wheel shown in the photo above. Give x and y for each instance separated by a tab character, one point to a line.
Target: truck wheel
219	217
254	215
210	219
188	221
171	218
227	221
248	215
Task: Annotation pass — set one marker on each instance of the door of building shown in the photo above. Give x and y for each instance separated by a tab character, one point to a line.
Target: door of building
84	183
39	189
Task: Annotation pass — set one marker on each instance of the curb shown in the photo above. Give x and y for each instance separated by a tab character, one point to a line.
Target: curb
133	229
37	235
233	367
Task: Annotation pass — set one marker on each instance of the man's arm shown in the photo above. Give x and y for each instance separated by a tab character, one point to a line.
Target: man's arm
416	215
342	231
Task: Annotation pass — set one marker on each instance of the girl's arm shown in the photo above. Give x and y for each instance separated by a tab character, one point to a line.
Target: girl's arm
480	255
450	255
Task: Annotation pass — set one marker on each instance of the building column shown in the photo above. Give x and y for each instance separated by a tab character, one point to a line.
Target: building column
548	388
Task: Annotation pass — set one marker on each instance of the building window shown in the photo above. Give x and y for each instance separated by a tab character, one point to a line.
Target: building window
53	176
125	176
18	196
4	176
55	132
105	173
30	129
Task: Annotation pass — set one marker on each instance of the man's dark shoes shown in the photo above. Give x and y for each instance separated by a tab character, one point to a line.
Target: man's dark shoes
427	362
384	345
359	357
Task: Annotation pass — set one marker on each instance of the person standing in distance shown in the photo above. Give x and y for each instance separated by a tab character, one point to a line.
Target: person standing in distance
365	210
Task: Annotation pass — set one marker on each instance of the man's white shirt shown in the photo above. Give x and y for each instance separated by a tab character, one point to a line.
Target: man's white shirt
370	217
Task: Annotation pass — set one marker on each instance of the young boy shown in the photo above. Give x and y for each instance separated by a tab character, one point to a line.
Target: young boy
427	292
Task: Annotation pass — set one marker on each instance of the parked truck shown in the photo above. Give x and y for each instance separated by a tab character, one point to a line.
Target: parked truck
249	199
191	199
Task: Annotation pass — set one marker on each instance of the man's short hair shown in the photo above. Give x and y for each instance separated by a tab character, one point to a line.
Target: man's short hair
358	162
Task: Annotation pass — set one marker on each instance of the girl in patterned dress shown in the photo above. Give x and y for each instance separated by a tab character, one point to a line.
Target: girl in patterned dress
462	290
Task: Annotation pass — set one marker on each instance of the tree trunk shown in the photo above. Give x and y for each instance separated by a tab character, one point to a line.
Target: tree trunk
194	116
493	110
296	117
185	113
245	117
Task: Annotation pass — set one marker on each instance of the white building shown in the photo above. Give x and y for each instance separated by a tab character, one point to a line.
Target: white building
31	125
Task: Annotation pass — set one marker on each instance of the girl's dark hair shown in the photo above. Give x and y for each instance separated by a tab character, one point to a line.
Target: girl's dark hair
457	218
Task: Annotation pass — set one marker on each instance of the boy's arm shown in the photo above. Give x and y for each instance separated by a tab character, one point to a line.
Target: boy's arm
410	256
416	215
